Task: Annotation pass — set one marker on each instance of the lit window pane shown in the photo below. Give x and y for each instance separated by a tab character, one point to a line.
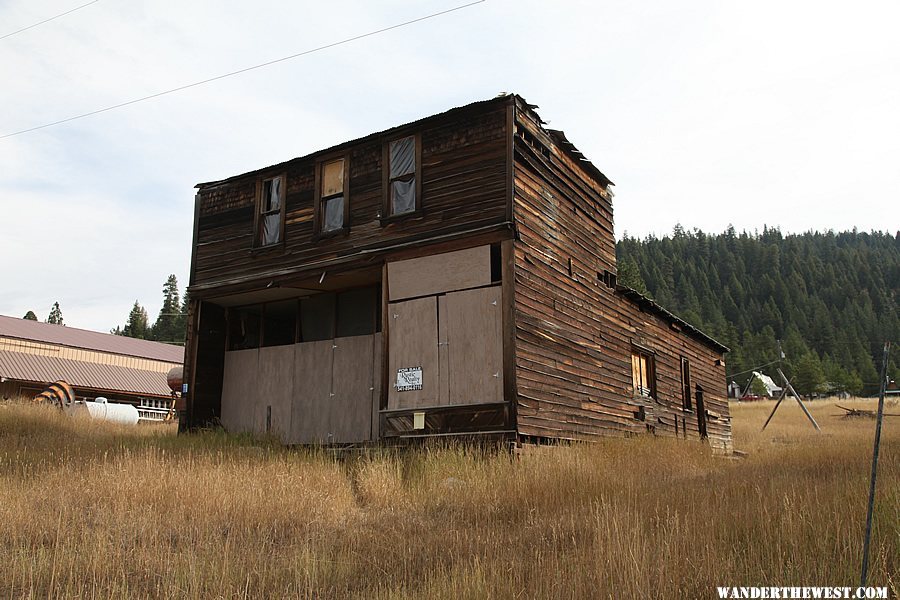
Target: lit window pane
333	178
403	157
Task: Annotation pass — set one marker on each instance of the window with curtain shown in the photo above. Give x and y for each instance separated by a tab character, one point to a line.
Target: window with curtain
271	204
332	197
402	175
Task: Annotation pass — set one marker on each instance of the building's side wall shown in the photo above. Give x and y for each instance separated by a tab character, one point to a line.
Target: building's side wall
665	414
574	333
464	188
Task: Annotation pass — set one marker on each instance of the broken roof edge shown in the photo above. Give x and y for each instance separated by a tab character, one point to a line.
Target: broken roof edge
645	302
558	137
501	99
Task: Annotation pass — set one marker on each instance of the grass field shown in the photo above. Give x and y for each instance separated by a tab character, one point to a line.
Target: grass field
99	511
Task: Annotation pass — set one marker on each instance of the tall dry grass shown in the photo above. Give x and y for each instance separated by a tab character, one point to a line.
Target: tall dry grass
95	510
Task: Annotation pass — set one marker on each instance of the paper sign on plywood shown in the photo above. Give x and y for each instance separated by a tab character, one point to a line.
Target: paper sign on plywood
408	379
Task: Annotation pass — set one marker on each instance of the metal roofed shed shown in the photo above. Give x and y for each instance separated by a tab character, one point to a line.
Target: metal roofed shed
34	354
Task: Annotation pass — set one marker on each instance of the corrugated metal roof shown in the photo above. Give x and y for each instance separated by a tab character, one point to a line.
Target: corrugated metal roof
89	340
650	305
80	374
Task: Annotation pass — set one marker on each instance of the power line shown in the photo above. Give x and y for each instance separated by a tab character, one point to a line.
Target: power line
244	70
753	369
3	37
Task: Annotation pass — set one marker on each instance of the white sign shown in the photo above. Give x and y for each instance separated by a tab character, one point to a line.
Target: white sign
408	379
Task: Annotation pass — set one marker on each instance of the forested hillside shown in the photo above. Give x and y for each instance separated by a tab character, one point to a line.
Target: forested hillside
830	297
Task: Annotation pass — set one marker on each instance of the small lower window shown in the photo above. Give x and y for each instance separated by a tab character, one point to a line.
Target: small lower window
643	374
686	384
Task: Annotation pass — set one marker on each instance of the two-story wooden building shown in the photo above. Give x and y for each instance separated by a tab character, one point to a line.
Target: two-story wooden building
451	276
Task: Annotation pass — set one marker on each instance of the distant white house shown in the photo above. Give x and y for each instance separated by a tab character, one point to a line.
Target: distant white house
772	389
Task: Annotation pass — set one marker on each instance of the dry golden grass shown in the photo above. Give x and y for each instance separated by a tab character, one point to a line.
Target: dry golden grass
95	510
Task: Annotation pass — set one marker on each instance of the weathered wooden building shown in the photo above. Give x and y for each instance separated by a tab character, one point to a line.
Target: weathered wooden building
451	276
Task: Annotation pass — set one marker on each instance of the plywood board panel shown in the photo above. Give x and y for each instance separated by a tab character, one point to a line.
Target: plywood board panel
413	343
440	273
377	376
443	353
239	391
276	388
312	389
475	339
350	409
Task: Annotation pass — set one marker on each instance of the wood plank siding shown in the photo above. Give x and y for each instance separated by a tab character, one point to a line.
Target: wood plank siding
464	189
575	332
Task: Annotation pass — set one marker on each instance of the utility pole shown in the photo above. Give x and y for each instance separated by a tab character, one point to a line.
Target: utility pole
878	420
787	387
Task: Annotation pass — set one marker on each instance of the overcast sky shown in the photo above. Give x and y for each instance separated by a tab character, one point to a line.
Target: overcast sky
704	113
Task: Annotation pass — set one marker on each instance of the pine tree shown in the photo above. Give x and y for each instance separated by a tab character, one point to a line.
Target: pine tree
167	329
181	320
809	378
629	275
55	317
138	324
30	316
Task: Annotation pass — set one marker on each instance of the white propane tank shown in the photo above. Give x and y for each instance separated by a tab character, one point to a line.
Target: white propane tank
104	410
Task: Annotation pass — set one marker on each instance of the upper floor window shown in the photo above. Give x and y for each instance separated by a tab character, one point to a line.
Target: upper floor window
403	181
270	211
332	203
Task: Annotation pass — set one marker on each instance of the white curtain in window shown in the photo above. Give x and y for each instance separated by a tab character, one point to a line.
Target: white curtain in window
271	229
334	214
403	156
275	196
403	196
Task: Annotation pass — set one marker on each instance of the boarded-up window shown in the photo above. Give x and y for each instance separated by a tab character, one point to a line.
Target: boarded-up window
332	196
402	175
643	376
271	210
686	383
280	323
244	327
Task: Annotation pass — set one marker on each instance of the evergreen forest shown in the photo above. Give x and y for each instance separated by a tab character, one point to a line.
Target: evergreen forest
829	299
